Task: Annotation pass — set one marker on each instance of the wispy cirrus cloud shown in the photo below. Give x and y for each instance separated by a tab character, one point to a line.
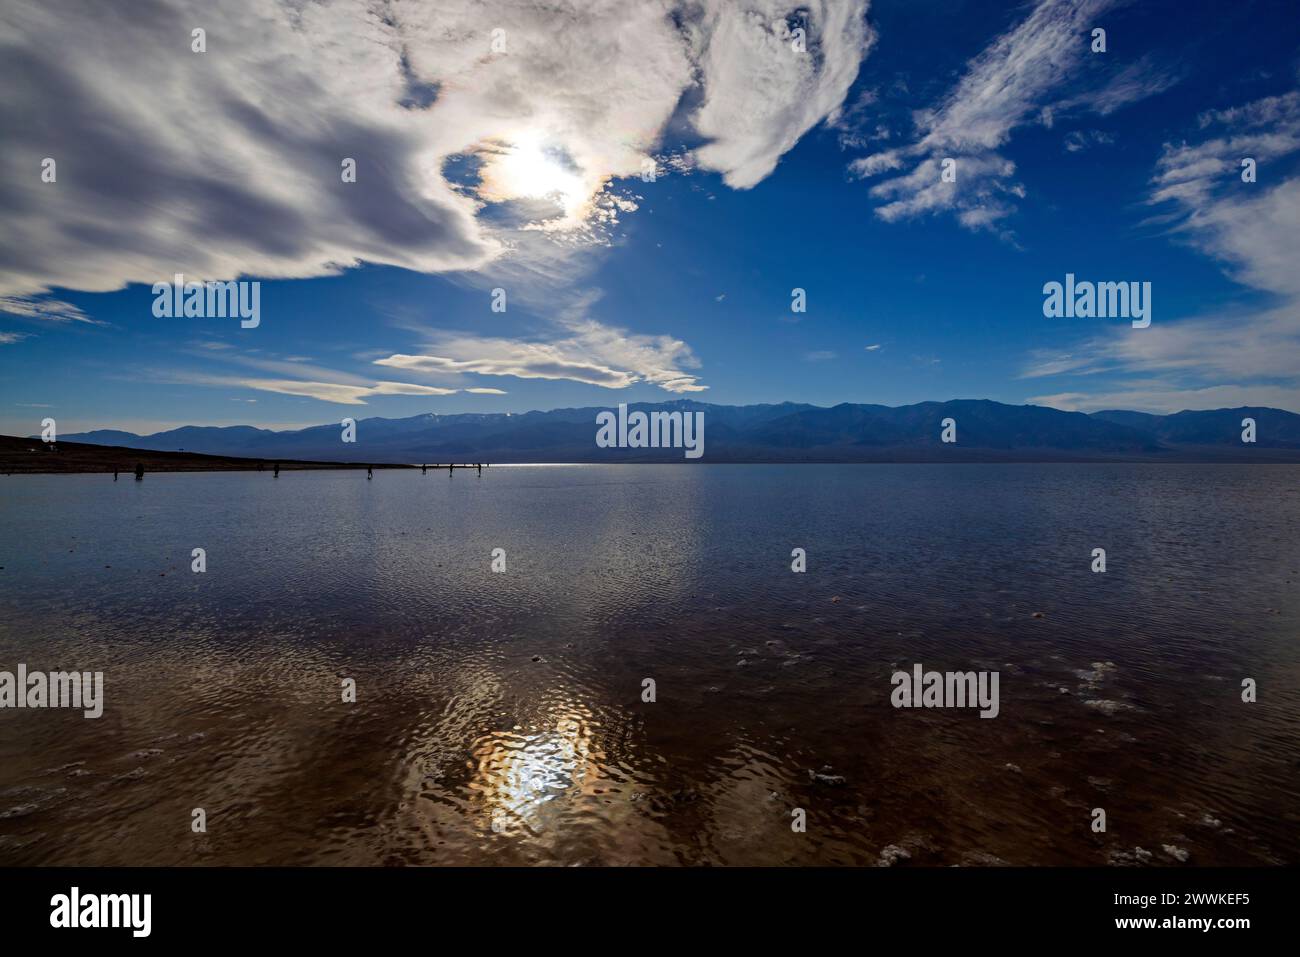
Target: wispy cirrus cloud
335	391
1191	174
1076	141
584	351
293	376
1241	356
338	392
506	357
45	309
1159	399
1022	77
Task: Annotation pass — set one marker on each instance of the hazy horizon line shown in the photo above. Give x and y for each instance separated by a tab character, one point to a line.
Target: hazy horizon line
287	427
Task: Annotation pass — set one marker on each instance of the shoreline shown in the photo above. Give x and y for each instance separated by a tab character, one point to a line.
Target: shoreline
20	456
30	456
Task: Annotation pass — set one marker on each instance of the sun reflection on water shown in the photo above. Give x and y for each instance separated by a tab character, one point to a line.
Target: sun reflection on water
519	773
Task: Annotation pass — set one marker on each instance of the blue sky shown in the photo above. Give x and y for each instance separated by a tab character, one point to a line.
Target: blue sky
517	169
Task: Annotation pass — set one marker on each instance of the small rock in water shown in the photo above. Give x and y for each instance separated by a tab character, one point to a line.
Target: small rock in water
892	854
537	657
1038	614
1108	707
983	859
1139	855
824	776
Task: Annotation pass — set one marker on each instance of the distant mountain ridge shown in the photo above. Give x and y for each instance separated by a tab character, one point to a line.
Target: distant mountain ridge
783	432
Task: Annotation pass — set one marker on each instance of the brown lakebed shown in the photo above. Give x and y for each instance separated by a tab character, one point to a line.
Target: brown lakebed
500	716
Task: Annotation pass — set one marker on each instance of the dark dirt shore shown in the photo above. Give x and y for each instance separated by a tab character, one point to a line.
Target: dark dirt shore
30	456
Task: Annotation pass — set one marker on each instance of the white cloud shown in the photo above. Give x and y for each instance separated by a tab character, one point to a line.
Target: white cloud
227	163
1190	175
336	392
587	352
526	360
294	378
1161	400
46	309
1239	356
760	95
1269	111
1017	80
977	192
407	388
1043	363
1077	141
1134	82
213	164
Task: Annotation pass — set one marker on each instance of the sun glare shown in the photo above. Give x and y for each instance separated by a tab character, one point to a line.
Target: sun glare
525	170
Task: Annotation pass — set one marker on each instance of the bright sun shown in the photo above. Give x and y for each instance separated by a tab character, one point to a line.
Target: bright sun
525	171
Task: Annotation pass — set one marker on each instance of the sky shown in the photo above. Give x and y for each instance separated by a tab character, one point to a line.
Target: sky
644	191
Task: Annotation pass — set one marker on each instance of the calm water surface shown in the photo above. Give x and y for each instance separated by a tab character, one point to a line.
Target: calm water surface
499	717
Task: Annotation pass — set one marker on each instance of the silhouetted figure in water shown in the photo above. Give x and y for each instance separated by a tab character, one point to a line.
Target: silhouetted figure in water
139	471
277	470
114	475
480	470
370	473
424	469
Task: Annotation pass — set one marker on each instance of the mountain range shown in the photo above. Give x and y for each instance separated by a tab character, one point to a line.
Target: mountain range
783	432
